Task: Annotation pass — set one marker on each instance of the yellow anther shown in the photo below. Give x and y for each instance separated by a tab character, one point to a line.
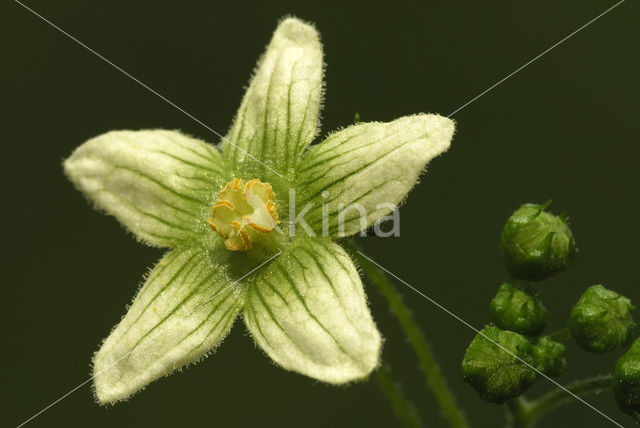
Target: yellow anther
244	211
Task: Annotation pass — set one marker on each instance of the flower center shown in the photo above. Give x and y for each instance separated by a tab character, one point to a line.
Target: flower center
243	212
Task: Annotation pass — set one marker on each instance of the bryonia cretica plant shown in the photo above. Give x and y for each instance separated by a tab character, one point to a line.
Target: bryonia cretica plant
227	217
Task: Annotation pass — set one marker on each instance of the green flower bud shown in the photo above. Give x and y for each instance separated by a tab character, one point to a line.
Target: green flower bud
626	381
497	375
549	356
517	310
536	244
601	320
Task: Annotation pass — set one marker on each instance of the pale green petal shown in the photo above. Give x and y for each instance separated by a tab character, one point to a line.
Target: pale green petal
185	308
307	310
159	184
278	116
373	165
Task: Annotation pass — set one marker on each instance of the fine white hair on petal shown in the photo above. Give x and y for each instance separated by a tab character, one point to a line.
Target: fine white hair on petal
370	165
279	114
157	183
184	310
308	312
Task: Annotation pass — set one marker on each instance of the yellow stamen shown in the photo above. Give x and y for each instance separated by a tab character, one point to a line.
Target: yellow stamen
243	212
225	203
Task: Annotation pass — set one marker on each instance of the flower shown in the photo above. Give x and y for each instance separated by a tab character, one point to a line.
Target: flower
229	218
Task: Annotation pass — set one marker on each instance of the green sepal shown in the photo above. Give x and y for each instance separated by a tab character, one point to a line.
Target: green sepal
626	381
549	356
518	310
601	320
536	244
498	373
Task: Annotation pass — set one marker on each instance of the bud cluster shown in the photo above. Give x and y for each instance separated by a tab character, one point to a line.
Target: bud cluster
506	357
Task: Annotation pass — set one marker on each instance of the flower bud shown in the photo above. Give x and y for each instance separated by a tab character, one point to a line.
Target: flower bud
626	381
517	310
495	372
601	320
536	244
549	356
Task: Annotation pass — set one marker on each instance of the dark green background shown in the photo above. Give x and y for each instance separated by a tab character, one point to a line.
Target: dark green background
566	128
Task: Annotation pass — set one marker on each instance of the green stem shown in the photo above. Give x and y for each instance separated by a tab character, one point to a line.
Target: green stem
559	396
516	411
436	381
562	335
524	414
403	408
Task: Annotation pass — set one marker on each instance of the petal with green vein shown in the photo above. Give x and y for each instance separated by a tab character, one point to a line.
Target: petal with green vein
307	310
159	184
373	165
278	116
185	308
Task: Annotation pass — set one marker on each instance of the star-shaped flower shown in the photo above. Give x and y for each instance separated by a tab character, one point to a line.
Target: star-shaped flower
239	242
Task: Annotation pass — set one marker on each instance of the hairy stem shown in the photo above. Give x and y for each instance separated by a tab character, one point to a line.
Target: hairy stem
524	414
436	381
559	396
403	408
516	413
